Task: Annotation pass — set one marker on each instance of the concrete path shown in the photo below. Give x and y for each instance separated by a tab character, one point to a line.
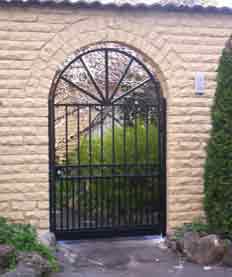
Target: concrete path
136	257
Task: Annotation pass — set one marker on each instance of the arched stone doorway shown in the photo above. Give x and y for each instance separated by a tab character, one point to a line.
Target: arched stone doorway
107	129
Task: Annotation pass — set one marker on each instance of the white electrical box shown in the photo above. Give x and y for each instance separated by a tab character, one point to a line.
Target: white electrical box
200	83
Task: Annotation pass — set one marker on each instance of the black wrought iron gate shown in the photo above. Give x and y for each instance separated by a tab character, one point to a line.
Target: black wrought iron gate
107	149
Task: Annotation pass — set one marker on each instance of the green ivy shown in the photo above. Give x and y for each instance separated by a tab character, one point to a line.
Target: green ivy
24	238
199	226
218	167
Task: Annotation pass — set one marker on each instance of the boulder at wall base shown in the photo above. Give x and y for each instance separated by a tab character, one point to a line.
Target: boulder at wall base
207	250
189	243
48	239
227	259
34	261
6	253
22	271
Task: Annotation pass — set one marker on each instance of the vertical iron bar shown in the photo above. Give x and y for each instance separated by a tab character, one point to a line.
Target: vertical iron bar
85	202
85	182
78	163
61	204
107	74
125	187
130	200
141	198
96	202
119	193
154	186
146	189
90	167
136	162
96	196
163	188
102	169
52	172
113	202
160	154
73	204
66	171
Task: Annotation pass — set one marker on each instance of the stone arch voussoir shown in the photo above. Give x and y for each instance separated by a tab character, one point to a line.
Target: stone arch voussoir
164	58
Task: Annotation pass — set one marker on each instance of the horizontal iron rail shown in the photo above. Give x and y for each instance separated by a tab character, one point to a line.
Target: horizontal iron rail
117	227
100	105
107	165
109	176
107	232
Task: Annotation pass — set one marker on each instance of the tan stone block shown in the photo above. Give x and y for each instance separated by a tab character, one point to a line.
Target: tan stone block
184	119
24	131
17	55
6	197
35	140
182	199
189	128
184	217
186	163
24	168
38	196
23	178
43	215
24	36
23	149
11	140
24	159
4	206
187	207
182	146
184	181
13	84
189	188
182	172
23	206
43	205
33	222
19	188
191	101
44	224
22	112
32	103
15	216
187	154
194	137
21	45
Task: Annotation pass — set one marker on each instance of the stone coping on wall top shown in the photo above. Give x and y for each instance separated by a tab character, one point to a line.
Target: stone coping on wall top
127	4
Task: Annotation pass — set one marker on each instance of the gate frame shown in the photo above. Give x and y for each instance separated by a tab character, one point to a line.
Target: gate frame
71	235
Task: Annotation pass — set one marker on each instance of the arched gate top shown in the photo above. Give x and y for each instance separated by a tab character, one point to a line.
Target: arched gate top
107	94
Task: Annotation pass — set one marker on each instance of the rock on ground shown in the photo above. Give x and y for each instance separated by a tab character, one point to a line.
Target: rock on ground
30	264
48	239
207	250
23	271
227	259
6	253
35	261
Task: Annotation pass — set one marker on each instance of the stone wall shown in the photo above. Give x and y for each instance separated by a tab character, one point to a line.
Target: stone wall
35	40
